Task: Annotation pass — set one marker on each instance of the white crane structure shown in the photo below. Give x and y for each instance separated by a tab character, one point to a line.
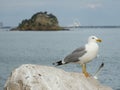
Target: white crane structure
75	24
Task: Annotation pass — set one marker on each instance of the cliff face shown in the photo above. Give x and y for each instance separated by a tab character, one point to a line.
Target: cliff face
35	77
40	21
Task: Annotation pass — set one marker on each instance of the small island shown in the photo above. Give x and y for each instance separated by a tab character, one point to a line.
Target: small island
41	21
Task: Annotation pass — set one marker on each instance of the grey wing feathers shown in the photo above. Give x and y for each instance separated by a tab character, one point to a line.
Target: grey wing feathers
74	56
79	49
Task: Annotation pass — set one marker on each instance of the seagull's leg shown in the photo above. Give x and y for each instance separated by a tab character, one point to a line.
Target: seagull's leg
84	70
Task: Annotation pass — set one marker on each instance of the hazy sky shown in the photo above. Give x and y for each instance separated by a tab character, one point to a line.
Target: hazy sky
88	12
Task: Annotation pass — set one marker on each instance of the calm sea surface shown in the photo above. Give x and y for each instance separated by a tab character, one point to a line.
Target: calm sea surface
44	48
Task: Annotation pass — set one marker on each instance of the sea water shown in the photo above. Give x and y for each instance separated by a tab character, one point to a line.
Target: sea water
46	47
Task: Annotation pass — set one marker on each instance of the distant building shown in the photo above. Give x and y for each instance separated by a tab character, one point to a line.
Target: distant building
1	24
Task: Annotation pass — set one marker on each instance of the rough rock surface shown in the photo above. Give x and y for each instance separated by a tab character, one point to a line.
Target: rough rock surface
36	77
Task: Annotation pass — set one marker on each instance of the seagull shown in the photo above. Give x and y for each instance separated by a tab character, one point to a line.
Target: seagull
82	55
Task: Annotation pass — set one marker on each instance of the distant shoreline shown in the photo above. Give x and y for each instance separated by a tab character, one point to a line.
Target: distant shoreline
66	28
93	27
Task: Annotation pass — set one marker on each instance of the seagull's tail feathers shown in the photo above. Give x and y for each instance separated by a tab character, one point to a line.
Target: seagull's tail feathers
59	63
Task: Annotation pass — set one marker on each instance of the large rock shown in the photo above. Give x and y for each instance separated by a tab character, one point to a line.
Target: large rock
39	21
36	77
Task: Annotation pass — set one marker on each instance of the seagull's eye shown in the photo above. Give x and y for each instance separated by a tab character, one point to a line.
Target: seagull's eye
93	38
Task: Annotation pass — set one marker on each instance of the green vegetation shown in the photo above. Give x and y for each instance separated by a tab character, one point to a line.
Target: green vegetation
40	21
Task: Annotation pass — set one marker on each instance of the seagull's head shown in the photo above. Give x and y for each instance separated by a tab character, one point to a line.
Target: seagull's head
94	39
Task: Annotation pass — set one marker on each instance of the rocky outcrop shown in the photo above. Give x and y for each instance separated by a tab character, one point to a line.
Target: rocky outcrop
36	77
39	21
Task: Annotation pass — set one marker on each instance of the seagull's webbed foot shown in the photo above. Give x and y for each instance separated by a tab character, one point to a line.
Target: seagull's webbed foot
84	70
86	74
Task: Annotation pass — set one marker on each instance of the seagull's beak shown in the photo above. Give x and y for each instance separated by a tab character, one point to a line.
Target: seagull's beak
99	40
